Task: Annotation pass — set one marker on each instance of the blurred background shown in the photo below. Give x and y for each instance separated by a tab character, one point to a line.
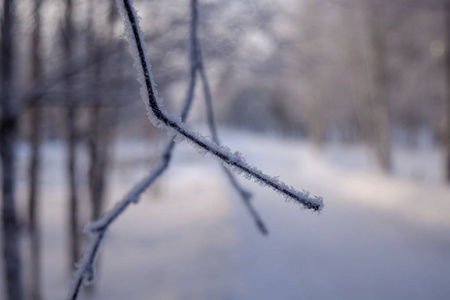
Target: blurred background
348	99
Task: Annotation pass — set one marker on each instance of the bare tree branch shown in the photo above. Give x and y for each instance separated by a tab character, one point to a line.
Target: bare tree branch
162	119
245	195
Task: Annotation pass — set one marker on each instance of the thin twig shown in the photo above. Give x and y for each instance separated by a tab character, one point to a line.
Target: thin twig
98	229
244	194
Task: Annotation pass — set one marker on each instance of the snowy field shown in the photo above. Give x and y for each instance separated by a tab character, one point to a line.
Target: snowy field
379	237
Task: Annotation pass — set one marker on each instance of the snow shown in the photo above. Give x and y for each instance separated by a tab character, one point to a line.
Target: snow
380	237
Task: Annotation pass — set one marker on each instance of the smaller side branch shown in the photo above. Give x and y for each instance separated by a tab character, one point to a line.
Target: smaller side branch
97	230
196	66
244	194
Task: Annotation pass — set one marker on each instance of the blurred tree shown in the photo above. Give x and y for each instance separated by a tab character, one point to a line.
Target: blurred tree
102	118
35	157
8	143
447	95
97	136
313	53
72	140
381	117
353	47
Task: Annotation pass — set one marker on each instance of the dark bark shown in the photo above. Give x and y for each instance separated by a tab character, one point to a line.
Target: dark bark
94	176
35	161
33	203
8	141
71	114
102	119
101	134
73	193
447	97
97	164
381	115
315	115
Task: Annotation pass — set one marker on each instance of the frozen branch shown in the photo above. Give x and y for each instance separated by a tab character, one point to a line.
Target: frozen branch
162	119
97	230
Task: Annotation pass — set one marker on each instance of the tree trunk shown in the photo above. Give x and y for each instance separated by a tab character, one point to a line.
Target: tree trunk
73	194
447	98
8	140
357	76
381	117
315	121
99	160
34	170
101	118
95	143
74	247
313	11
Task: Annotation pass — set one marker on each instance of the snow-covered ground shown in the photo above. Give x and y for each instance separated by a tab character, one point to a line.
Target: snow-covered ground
379	237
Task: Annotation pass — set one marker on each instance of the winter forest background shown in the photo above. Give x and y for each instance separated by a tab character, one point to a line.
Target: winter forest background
347	99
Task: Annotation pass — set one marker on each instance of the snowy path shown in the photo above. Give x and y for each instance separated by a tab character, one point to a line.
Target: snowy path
380	243
190	238
345	253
